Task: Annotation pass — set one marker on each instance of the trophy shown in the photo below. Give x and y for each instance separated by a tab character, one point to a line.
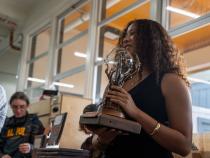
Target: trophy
121	66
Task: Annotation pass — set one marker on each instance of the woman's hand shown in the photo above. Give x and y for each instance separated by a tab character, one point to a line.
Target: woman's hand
25	148
123	98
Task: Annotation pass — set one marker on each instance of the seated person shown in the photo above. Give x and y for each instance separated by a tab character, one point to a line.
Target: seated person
17	135
87	144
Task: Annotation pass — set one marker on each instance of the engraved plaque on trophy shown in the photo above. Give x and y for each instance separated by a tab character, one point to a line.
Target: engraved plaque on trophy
121	66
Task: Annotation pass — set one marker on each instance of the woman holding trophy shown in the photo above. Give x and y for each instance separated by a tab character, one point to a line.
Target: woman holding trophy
157	97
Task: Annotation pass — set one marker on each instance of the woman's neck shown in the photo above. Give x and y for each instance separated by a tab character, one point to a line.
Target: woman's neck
145	72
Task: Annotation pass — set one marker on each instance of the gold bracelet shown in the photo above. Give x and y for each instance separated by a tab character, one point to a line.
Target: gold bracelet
155	130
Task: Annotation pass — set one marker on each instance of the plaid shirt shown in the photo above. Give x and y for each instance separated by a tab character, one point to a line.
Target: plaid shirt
3	106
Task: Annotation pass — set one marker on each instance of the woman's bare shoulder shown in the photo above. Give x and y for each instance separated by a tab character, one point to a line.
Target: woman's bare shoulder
172	82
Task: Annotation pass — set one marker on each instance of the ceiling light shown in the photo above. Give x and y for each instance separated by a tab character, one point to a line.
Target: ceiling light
111	3
78	54
83	55
183	12
111	35
54	83
63	84
99	59
36	80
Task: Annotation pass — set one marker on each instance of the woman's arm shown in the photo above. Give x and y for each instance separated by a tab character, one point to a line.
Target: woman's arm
178	136
178	107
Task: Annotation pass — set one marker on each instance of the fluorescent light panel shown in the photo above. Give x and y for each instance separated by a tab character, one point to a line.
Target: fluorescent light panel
183	12
54	83
63	84
111	3
111	35
36	80
83	55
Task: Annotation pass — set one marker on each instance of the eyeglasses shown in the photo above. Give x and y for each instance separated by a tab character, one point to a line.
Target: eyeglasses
16	107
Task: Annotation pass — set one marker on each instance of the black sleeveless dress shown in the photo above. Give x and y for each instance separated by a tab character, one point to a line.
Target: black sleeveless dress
148	97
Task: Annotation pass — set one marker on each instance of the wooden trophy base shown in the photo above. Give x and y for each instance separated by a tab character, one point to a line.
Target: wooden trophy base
100	119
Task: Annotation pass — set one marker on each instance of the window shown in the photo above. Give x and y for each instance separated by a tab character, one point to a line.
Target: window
72	48
200	88
200	92
203	125
181	11
38	57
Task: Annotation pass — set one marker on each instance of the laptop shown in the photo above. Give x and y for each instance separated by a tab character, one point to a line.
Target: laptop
52	140
56	131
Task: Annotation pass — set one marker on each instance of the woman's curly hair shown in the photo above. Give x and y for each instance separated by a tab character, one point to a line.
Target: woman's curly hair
155	49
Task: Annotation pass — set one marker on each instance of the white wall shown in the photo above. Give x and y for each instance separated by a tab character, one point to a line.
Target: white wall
8	81
9	62
13	10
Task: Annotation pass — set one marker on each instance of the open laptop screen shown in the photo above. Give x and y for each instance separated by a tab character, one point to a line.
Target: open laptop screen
57	129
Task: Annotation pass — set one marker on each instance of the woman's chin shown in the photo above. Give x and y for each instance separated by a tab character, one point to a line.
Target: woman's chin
130	50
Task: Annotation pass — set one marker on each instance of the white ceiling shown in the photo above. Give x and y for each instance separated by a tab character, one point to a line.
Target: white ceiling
18	10
15	11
